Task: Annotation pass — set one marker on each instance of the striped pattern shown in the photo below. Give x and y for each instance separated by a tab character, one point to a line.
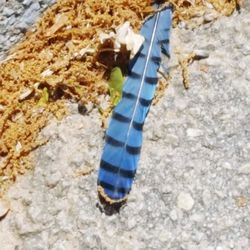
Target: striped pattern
124	134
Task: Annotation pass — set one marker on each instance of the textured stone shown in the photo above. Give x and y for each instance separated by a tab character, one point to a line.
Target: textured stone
16	17
195	140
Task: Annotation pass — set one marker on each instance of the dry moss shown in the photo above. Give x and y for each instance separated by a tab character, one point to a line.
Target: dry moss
60	55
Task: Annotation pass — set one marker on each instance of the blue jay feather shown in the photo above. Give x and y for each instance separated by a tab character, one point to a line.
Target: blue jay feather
124	135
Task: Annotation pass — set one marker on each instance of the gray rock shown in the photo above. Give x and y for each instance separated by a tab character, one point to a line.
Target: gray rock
13	39
31	14
8	12
27	3
22	25
35	7
11	20
173	215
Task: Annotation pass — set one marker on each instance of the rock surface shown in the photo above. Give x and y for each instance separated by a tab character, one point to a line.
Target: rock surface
196	143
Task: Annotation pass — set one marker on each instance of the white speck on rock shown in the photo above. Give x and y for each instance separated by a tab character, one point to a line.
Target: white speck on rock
191	132
47	72
173	215
248	75
219	248
25	93
197	217
164	236
18	146
53	179
185	201
226	165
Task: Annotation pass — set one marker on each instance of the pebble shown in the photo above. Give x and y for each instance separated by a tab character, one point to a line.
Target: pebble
210	16
197	217
226	165
31	14
246	50
212	61
191	132
244	241
8	12
245	168
4	208
11	21
173	215
201	54
181	104
25	93
172	139
164	236
206	197
24	226
185	201
248	75
52	180
22	25
27	2
2	108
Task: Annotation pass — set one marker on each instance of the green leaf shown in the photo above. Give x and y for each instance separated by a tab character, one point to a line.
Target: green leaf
79	90
44	99
115	81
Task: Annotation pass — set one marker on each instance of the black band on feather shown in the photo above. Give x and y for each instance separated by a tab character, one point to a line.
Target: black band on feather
120	118
110	140
133	150
117	170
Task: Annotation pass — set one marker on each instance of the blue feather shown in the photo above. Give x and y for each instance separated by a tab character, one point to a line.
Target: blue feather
124	134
